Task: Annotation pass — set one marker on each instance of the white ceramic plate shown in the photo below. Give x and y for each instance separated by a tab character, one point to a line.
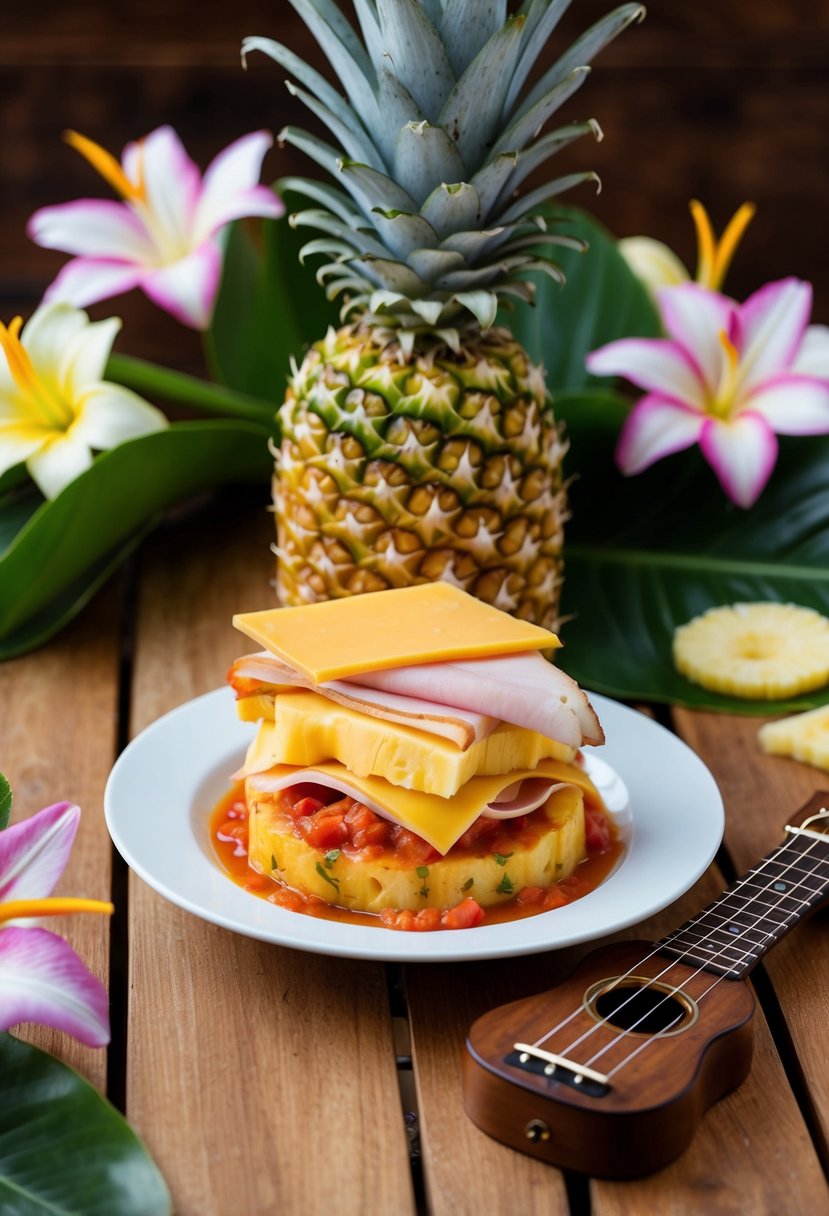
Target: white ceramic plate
163	787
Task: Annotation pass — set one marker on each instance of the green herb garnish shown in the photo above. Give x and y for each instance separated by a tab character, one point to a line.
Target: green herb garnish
330	857
275	864
501	859
332	882
505	886
469	883
423	872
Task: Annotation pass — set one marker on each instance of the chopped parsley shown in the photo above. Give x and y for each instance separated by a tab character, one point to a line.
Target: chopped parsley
423	873
332	882
469	883
505	886
330	857
501	859
275	864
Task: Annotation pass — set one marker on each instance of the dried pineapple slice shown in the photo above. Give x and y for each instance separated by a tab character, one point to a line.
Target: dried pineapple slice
803	737
763	651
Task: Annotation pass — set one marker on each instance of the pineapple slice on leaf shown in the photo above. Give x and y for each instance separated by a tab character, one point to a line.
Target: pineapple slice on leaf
418	442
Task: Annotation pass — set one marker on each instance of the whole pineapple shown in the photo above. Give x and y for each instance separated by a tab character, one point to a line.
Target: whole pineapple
418	442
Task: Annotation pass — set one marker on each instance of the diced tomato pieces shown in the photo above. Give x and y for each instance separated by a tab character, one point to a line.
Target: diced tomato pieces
233	831
411	848
465	915
304	807
284	897
323	830
530	895
554	897
257	882
597	831
365	828
427	919
574	886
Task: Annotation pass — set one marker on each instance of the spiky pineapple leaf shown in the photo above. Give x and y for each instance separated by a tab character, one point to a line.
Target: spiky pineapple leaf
601	300
646	554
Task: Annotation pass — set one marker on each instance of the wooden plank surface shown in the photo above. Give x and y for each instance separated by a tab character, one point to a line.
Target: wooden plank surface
260	1077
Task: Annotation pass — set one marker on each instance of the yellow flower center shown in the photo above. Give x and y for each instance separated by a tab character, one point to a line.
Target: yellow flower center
23	909
106	164
715	257
722	402
48	404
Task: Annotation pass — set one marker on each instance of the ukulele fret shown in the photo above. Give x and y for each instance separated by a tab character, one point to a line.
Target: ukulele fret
734	932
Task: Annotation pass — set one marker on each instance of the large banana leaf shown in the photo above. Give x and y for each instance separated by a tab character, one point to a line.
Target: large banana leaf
53	555
647	553
64	1151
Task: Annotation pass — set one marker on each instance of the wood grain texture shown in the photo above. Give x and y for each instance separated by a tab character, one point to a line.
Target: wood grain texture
760	793
257	1075
58	714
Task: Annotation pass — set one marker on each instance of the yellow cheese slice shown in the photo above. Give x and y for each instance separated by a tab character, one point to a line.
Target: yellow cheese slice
429	623
308	729
441	821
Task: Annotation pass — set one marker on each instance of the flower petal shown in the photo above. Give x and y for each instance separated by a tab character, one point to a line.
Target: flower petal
86	356
18	442
695	317
652	262
813	357
771	325
34	852
59	462
108	415
793	405
171	182
98	228
230	189
187	288
651	363
42	980
48	332
87	280
654	428
742	452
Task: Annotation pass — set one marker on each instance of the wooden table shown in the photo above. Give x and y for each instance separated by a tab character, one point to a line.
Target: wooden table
269	1081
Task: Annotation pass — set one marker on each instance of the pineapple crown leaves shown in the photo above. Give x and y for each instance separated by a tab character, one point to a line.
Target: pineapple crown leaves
435	135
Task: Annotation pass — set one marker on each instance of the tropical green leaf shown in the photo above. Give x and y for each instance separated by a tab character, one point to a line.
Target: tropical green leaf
601	300
267	309
64	1151
62	549
6	800
645	554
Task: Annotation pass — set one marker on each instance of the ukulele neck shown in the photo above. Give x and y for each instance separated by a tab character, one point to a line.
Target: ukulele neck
732	934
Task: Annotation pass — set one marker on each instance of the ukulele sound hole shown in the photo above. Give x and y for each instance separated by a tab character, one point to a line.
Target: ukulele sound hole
641	1006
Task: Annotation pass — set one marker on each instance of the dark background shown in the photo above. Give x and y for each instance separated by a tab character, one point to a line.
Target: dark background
724	100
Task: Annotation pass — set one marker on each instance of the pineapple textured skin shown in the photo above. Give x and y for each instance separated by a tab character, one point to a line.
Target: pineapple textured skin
398	468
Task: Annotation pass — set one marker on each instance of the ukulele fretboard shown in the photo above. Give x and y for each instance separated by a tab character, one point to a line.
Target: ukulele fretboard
735	931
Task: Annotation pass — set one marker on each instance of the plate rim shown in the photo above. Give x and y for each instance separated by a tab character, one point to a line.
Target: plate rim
339	939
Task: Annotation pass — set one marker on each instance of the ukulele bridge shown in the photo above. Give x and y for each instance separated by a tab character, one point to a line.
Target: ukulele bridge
559	1068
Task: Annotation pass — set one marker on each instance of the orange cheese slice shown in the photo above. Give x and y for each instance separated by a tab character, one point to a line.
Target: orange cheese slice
428	623
441	821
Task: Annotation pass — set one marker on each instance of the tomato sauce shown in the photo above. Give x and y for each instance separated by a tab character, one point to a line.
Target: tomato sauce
358	835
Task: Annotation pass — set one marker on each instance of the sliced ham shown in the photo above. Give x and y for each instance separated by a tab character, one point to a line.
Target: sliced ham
265	673
521	798
523	689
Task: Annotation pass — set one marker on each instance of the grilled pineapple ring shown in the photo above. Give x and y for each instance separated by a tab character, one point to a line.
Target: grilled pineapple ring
372	885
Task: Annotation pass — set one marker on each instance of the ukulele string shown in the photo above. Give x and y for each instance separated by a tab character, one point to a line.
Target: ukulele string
718	980
748	878
632	970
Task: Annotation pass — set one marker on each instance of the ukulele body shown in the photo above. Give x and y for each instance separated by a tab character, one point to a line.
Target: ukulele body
658	1084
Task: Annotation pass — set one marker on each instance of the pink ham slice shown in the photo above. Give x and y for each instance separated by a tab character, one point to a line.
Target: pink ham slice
523	689
462	727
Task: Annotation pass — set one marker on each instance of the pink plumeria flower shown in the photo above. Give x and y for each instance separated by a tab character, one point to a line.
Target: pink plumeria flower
165	236
41	977
728	376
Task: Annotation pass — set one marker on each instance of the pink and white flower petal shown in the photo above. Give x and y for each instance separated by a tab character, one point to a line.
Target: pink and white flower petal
87	280
35	851
654	364
98	228
813	357
230	190
793	405
18	441
654	263
85	358
654	428
187	288
771	326
62	458
42	980
695	318
742	452
108	415
171	183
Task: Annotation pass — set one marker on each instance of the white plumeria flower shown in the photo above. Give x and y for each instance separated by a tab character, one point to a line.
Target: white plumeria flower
41	978
164	237
55	406
728	376
658	266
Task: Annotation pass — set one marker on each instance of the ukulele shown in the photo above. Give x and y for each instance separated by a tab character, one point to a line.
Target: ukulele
610	1073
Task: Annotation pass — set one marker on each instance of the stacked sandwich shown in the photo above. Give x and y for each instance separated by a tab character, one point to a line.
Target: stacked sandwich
414	751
